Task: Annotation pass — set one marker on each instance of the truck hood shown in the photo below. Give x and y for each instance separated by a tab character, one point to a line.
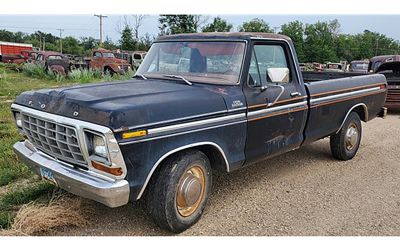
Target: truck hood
125	104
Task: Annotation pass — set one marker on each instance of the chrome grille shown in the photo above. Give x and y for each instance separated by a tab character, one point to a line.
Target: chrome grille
57	140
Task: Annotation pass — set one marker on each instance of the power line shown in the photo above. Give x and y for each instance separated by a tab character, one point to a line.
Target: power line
101	26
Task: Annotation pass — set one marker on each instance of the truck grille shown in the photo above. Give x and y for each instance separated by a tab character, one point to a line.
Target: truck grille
393	94
57	140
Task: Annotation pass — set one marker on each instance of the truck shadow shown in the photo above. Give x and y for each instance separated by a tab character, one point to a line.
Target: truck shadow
133	220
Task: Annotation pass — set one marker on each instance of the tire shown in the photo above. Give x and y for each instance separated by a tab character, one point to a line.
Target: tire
167	203
345	143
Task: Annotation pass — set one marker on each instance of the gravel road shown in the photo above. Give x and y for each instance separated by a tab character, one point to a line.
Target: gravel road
304	192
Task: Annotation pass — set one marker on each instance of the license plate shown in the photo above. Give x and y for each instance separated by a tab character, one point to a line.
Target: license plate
47	174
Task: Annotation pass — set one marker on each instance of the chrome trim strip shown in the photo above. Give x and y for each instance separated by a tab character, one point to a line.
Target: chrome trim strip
181	133
351	109
338	96
274	109
171	120
115	153
194	124
176	150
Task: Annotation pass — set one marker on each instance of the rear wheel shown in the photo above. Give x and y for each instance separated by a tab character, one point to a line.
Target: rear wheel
345	143
178	194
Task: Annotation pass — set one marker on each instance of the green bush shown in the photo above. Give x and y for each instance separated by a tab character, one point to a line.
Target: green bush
84	75
34	70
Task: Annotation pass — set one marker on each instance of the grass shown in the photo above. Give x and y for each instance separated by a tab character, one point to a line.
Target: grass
12	83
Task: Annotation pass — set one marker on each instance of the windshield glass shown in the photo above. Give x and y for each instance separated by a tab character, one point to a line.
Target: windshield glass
108	54
212	62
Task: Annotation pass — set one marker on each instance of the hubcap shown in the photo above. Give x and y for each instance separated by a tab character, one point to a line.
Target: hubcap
351	139
190	191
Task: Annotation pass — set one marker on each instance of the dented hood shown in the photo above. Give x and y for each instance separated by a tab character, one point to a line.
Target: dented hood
128	103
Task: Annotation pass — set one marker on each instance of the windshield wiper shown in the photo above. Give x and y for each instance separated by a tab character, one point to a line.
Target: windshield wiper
179	77
141	75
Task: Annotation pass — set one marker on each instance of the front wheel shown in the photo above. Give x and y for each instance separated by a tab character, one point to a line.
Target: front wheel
178	194
345	143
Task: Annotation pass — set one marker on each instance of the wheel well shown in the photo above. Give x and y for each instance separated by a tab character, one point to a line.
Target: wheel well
361	111
108	68
213	152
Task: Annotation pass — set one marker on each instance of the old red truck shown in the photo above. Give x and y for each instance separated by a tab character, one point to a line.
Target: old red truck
105	60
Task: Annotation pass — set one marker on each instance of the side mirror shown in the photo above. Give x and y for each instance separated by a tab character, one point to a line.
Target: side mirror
278	75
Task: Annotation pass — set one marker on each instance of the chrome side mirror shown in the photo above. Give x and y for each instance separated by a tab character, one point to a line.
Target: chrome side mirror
278	75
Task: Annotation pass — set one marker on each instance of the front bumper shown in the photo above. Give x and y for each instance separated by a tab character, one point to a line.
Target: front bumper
80	182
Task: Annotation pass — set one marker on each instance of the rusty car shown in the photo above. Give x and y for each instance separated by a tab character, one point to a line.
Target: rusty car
105	61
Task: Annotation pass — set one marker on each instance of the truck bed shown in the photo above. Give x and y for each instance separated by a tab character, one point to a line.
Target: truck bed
311	76
329	98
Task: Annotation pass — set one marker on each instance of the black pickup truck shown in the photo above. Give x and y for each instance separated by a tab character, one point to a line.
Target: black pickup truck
198	103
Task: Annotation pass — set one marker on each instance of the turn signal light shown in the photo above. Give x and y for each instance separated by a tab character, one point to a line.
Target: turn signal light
113	171
138	133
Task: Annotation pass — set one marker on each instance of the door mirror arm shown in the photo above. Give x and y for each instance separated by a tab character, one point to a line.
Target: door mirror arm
282	89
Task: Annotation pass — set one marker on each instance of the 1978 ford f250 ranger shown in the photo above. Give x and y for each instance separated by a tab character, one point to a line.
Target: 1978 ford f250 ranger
199	102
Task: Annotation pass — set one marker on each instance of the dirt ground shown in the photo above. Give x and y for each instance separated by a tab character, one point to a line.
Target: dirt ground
304	192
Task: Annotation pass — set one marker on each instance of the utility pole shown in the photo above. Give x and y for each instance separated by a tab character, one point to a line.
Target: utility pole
44	43
275	29
101	26
61	30
377	46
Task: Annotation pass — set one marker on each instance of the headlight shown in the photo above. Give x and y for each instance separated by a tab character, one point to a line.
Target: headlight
97	146
18	119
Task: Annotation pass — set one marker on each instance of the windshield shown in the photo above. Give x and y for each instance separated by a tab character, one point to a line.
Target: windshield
108	54
212	62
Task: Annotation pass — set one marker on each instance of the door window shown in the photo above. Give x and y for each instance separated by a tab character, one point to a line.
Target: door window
265	57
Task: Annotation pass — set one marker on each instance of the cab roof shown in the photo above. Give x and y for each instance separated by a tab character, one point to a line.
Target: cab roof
224	36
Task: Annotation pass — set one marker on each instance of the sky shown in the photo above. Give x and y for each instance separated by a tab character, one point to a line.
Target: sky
88	25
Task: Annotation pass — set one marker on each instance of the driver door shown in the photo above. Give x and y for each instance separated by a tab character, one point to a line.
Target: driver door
276	111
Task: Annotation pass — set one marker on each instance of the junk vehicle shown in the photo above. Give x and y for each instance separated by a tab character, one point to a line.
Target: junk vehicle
11	52
334	67
359	66
390	67
134	58
76	62
105	61
198	103
53	61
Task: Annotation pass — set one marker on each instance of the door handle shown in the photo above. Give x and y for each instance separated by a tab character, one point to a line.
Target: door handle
294	94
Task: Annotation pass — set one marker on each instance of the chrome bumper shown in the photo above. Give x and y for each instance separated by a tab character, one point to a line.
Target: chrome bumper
79	182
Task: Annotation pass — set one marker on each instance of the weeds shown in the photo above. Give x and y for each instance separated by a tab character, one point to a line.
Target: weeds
25	195
34	70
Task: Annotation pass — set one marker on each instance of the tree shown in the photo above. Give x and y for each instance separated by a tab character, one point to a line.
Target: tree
127	41
108	44
255	25
137	23
72	46
174	24
319	44
295	30
218	25
89	43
